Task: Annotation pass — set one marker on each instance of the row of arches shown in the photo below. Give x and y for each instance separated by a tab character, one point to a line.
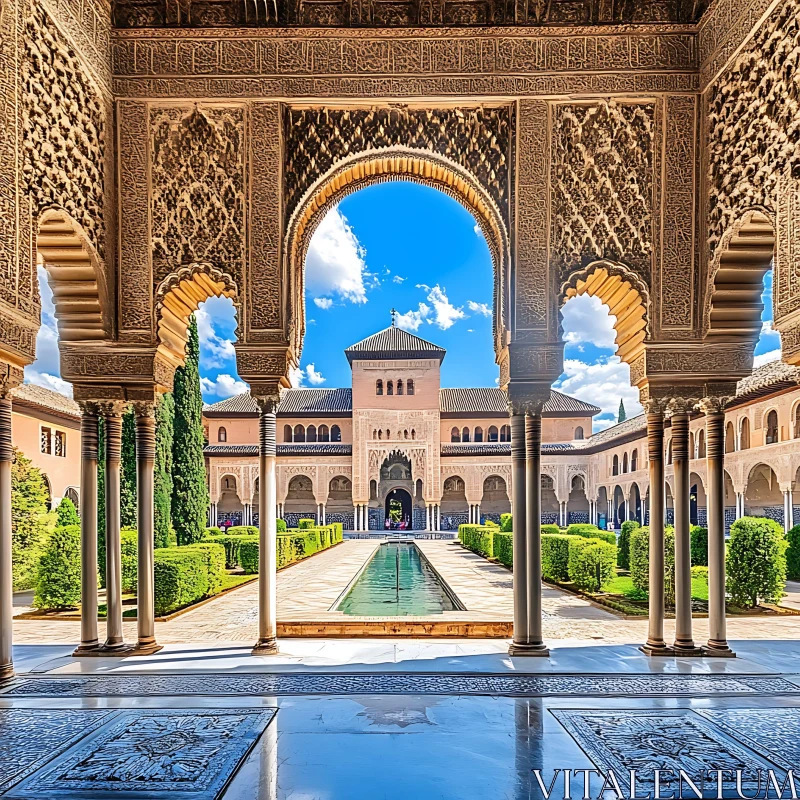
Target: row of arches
622	466
379	433
312	433
390	387
492	434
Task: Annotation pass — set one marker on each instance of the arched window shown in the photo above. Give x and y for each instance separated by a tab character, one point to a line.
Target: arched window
701	444
336	434
478	434
730	438
287	433
405	434
492	437
413	434
400	386
323	434
797	421
374	433
311	433
465	435
222	435
615	465
389	387
772	427
409	386
624	463
505	433
380	434
455	435
634	460
299	433
379	386
578	433
388	434
744	435
669	451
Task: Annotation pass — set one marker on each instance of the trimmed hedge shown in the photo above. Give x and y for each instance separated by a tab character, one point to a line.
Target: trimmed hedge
699	546
756	562
793	554
640	561
555	556
506	523
503	547
305	524
59	579
624	543
592	563
248	554
551	529
242	530
290	546
478	538
129	540
184	575
214	531
281	525
591	532
231	545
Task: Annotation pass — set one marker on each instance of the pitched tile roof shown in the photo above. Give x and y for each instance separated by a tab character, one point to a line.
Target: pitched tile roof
493	400
393	343
770	377
293	401
30	394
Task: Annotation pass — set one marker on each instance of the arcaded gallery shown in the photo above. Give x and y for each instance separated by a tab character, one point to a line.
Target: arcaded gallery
264	533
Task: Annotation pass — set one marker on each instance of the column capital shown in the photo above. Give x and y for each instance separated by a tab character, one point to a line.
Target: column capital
655	405
10	378
268	404
144	409
786	487
714	405
681	405
112	408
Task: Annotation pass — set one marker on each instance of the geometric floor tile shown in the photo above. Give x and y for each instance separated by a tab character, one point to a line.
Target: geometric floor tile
29	738
644	741
152	754
774	732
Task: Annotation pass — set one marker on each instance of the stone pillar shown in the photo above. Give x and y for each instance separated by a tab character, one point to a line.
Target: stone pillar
112	421
6	575
533	491
324	521
656	646
610	514
145	522
89	637
520	538
739	505
788	511
268	557
715	463
684	643
478	513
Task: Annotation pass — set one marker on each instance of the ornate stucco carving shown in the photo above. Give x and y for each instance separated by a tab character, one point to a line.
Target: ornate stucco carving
64	130
198	198
602	183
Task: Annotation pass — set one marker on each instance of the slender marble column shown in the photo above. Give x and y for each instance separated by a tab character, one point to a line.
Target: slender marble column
655	447
533	478
6	575
438	517
89	430
787	510
112	420
268	557
520	538
145	475
715	454
478	513
684	643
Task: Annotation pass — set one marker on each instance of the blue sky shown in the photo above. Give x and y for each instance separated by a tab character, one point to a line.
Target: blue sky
412	248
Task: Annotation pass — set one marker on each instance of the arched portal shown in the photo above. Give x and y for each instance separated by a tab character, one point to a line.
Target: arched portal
398	509
635	504
763	496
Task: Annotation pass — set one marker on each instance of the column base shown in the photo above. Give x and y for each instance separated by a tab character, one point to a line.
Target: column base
657	649
146	648
715	649
690	649
266	647
524	649
6	672
86	649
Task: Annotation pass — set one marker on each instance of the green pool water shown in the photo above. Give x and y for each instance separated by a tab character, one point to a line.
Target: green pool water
397	582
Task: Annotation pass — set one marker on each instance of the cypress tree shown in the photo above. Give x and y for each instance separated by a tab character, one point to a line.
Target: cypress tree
101	500
162	489
189	490
621	416
127	479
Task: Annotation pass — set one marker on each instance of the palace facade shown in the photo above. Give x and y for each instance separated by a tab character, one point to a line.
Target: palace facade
444	454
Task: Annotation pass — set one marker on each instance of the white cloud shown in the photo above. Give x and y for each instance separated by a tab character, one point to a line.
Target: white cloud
315	378
398	279
222	386
411	320
323	302
586	319
48	381
469	330
602	384
765	358
479	308
335	261
446	314
215	351
296	377
478	231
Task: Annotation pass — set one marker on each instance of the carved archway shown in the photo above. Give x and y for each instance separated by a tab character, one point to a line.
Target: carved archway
377	166
179	296
76	278
626	297
735	285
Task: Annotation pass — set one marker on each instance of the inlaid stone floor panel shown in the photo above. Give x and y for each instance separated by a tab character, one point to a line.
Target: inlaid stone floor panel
186	754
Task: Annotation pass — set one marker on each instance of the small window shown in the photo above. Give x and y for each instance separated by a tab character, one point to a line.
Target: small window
455	435
634	460
311	433
336	434
389	387
380	434
772	427
46	440
624	463
299	433
400	386
701	444
379	386
478	434
493	435
287	433
615	465
405	434
323	434
409	386
222	435
744	436
465	435
797	422
413	434
505	433
60	444
578	432
730	439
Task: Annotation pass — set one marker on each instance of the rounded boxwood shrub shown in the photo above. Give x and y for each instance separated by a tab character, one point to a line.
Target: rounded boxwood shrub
756	561
551	529
129	542
506	523
592	563
793	554
699	546
213	531
242	530
280	525
624	543
640	561
59	577
555	556
304	524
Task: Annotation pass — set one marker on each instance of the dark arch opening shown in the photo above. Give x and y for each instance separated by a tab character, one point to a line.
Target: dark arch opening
397	509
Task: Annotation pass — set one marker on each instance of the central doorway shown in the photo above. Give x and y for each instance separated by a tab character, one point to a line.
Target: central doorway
398	514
